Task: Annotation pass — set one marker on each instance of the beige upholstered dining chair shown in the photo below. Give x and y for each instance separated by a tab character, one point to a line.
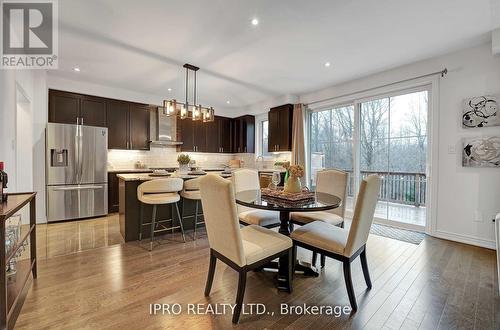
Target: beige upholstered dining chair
243	249
342	244
246	179
330	181
159	192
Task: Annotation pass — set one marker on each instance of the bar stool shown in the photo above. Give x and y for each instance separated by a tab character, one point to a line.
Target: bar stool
159	192
191	191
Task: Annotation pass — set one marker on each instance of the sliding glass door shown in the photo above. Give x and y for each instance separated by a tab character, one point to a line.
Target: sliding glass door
393	144
381	135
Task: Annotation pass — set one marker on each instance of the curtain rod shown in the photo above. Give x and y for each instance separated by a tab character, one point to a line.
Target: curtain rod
442	73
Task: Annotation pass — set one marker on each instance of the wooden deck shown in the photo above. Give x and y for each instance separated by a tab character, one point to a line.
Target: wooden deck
437	284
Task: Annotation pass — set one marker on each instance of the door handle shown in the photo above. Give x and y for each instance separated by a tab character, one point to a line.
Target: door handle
91	187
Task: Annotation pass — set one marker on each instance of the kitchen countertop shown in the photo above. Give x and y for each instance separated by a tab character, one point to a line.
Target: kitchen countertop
146	177
138	170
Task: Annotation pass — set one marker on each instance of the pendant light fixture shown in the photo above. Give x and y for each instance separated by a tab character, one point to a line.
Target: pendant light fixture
189	110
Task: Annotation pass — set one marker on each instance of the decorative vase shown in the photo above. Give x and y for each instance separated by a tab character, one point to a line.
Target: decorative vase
183	168
293	185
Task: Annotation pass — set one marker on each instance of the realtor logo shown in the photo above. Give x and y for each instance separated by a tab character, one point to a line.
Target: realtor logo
29	34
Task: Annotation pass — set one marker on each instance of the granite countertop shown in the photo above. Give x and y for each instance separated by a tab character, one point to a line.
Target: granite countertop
146	177
138	170
148	170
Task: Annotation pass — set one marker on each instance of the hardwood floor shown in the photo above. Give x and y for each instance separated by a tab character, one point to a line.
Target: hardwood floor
436	285
62	238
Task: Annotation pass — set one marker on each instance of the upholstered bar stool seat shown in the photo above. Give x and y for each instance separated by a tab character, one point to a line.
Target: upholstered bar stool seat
260	243
159	192
166	198
191	191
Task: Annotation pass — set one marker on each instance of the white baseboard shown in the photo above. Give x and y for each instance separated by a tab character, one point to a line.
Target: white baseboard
471	240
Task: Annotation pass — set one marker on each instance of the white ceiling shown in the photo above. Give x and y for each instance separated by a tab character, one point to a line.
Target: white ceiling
141	45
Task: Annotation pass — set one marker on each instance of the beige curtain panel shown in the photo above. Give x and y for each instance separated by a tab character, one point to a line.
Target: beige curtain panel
298	138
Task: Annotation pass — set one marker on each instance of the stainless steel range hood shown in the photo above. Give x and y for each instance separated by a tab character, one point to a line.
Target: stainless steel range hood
163	129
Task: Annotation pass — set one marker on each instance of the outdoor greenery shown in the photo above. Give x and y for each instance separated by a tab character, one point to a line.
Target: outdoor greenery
392	131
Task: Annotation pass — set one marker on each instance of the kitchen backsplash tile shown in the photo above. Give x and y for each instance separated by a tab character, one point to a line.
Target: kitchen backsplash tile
167	157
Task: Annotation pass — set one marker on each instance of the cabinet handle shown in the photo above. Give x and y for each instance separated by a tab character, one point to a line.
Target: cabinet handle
82	120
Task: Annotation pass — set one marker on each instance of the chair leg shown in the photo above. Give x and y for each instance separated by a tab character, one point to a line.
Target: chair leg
211	273
314	259
195	221
323	260
141	220
239	296
364	265
348	284
180	221
153	223
291	261
294	258
183	210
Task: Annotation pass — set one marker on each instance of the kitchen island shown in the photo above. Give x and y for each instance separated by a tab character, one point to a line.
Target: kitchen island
129	205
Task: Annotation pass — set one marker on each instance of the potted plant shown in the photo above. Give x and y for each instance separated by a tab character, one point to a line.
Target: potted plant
183	160
293	185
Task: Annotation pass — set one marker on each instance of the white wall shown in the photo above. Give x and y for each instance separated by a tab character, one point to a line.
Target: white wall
31	83
463	194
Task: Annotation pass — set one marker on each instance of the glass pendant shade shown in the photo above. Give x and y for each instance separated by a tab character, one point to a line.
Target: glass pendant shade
184	112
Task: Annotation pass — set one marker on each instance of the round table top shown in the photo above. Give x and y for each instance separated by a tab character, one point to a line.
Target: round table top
254	199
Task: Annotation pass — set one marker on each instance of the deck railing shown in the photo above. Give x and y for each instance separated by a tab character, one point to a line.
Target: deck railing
397	187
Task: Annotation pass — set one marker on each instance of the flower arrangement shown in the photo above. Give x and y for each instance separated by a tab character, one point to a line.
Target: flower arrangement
296	171
183	159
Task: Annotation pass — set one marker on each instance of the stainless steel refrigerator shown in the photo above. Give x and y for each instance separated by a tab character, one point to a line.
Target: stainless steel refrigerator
76	171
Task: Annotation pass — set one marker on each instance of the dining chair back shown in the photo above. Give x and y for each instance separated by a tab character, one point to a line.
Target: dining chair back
245	179
221	217
333	182
363	214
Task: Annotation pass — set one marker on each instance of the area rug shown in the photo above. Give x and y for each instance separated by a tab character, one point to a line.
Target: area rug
396	233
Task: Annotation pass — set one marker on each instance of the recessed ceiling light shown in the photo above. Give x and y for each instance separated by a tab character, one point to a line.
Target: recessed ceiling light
327	64
227	102
76	69
170	89
255	21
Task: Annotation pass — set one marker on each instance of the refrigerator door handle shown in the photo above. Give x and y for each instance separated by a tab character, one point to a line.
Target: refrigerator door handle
89	187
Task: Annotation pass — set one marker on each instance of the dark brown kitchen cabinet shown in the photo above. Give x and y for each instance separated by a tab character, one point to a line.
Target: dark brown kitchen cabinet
187	135
223	135
128	125
93	111
280	128
73	108
212	136
118	124
194	135
244	134
64	108
225	141
218	135
140	118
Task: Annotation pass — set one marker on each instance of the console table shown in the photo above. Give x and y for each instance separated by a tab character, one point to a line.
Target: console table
13	291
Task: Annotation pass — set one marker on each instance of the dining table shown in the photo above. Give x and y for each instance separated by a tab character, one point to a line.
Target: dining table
318	201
